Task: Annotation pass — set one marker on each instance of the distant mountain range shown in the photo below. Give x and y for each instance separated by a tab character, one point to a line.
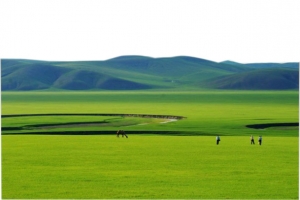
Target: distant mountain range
140	73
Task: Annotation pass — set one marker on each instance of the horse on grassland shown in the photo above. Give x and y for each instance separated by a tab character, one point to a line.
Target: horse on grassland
122	133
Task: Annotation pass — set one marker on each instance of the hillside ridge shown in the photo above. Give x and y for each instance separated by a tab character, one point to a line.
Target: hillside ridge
136	72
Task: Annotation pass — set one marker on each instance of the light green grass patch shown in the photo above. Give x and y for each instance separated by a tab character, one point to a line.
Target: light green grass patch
148	167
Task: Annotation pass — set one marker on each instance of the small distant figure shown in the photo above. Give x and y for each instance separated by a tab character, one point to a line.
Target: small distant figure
252	139
121	132
218	139
260	140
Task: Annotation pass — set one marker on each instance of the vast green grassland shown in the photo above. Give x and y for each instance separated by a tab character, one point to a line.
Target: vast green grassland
148	165
207	113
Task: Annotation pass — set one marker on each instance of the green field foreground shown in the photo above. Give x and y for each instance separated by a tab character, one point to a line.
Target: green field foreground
148	165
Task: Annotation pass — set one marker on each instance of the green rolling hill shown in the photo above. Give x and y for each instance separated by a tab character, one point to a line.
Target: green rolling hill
140	73
260	79
265	65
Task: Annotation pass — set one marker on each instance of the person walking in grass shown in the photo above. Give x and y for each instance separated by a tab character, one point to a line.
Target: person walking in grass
218	139
260	140
252	139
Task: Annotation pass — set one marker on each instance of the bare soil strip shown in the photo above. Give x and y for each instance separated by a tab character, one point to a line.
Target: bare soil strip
168	121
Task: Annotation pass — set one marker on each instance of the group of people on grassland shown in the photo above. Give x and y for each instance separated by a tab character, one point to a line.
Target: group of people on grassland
259	139
218	139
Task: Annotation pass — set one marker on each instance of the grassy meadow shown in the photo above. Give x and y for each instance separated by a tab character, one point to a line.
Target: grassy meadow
150	165
206	112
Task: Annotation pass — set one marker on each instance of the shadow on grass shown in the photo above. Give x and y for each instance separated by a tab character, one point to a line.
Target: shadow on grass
268	125
147	132
97	114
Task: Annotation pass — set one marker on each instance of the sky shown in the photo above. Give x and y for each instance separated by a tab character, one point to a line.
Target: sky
244	31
